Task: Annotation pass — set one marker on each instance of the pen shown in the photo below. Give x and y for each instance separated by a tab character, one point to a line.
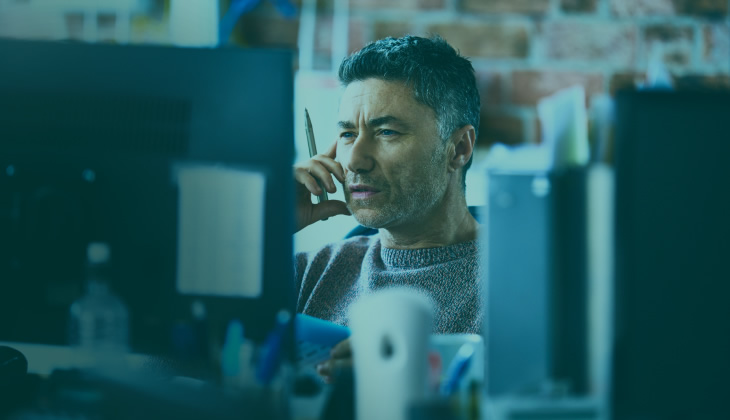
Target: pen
272	350
313	151
457	368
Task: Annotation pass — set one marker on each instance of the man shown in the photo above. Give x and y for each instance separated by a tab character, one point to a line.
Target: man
408	121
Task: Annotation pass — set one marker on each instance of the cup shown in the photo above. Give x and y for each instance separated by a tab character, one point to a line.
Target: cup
390	343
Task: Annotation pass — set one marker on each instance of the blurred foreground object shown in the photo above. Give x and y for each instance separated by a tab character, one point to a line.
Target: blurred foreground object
672	230
390	334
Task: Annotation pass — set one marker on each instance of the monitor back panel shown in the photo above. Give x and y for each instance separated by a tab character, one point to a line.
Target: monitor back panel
672	241
89	139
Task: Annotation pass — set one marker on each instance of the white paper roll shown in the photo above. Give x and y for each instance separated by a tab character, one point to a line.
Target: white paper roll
390	341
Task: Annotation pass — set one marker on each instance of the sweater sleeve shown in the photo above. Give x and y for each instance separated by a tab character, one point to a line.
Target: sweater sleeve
323	272
300	266
302	262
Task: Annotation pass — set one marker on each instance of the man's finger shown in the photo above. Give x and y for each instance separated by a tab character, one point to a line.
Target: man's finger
329	208
332	150
306	179
332	165
323	175
329	369
342	350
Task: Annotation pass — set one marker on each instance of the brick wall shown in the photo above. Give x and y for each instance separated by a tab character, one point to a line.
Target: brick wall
525	49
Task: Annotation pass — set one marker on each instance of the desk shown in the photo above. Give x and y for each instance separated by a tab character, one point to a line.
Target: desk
44	359
199	399
157	397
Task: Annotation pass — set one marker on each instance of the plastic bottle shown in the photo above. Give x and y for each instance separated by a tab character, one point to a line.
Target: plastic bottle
99	320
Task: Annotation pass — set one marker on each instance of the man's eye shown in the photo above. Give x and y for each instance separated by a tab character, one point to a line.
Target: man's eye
388	133
347	135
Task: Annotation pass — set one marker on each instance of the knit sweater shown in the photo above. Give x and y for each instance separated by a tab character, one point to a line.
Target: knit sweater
332	278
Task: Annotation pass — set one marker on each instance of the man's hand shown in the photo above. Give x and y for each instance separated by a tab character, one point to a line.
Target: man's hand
306	174
341	358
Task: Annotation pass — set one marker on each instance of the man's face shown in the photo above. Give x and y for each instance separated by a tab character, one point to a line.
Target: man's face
394	160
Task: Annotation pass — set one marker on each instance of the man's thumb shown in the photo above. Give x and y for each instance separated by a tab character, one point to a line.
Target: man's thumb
330	208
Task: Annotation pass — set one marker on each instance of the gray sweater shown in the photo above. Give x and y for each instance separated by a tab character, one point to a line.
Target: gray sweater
331	279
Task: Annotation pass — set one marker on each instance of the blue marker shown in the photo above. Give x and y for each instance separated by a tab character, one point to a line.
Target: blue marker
271	357
457	369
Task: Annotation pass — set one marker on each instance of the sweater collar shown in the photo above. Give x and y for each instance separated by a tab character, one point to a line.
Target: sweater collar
417	258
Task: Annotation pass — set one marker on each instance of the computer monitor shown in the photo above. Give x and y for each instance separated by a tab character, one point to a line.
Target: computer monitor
672	335
180	159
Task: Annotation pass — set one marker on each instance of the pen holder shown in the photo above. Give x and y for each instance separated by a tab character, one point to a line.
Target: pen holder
390	344
447	346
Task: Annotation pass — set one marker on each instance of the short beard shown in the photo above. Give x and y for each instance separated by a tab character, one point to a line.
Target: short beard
408	207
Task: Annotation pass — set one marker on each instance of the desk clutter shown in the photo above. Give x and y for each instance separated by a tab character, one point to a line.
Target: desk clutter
401	371
79	393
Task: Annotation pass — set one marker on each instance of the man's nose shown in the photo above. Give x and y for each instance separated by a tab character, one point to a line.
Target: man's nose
360	158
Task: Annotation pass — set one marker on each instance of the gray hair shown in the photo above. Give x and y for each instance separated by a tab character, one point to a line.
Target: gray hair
440	78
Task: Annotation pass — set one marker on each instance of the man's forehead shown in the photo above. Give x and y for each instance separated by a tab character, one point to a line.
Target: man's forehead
375	86
377	98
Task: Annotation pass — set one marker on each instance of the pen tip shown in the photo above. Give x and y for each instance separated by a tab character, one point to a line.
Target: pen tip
307	120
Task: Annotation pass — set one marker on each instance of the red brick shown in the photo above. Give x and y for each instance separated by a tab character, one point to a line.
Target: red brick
490	87
715	82
612	43
322	5
357	38
582	6
506	6
529	86
489	40
400	5
395	29
643	7
625	80
496	127
717	44
676	43
668	33
708	8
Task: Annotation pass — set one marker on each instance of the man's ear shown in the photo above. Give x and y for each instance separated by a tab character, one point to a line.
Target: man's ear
462	148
